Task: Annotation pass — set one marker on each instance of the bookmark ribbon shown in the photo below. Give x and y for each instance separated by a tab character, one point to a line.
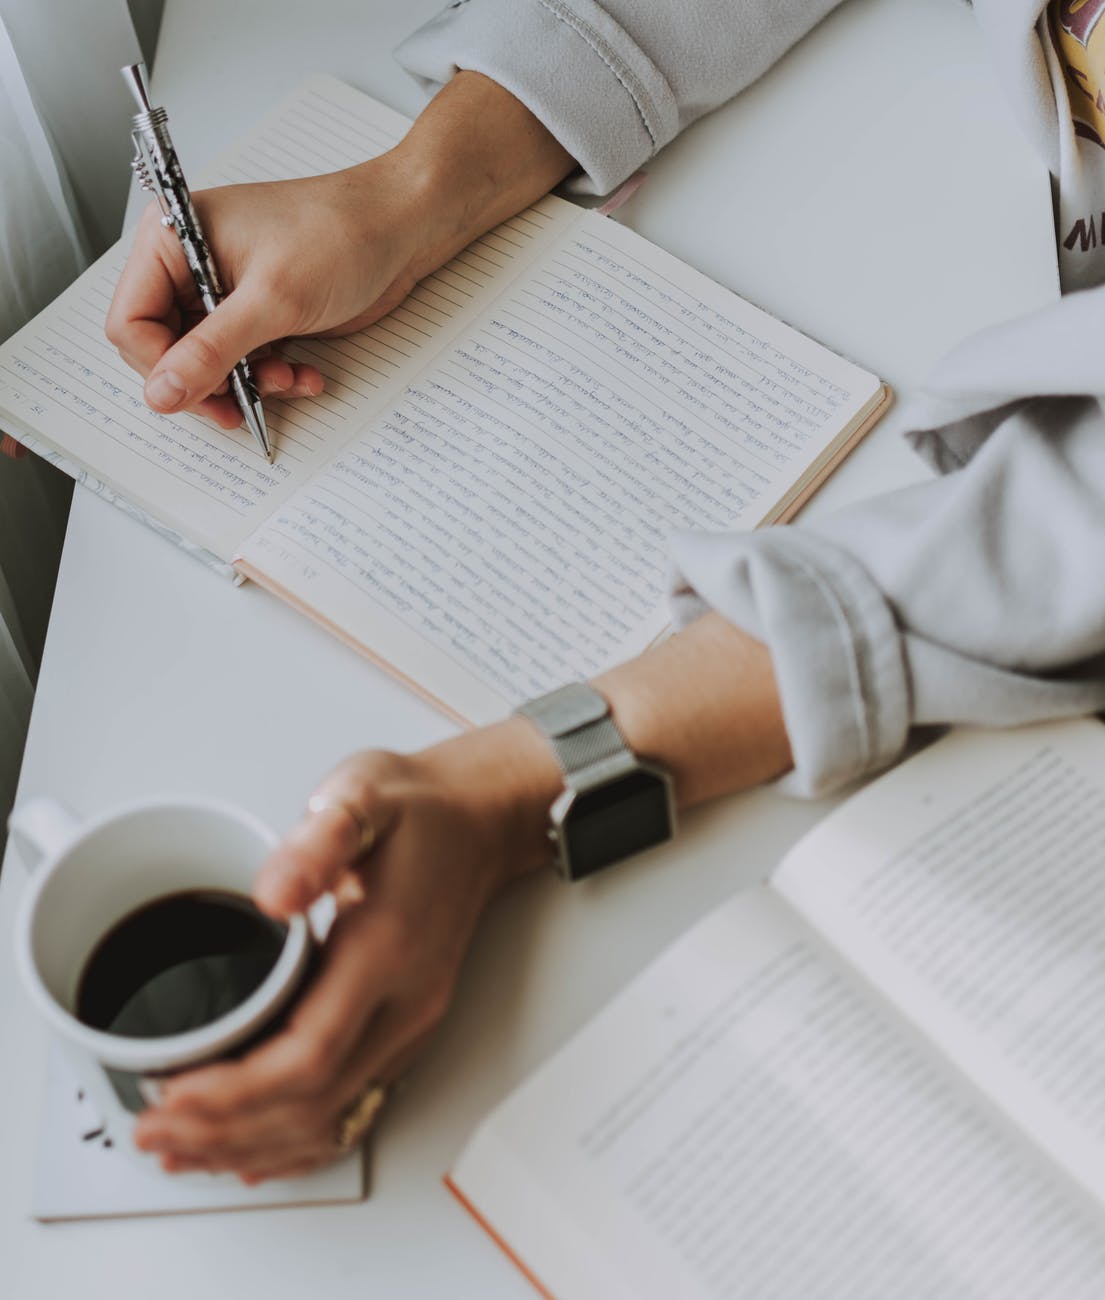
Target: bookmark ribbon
623	194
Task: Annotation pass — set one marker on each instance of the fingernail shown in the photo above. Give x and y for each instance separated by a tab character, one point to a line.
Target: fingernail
166	390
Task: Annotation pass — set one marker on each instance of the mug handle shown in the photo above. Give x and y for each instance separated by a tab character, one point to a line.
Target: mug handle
40	829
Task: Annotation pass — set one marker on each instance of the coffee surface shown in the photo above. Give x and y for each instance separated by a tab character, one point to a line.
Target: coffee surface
178	963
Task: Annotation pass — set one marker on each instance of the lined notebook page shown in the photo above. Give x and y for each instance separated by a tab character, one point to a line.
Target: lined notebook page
503	527
61	380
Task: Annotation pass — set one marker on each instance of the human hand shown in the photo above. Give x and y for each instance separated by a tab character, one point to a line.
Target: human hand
9	447
451	825
324	255
327	254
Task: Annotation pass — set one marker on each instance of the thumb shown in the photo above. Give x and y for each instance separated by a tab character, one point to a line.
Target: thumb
9	447
345	816
201	360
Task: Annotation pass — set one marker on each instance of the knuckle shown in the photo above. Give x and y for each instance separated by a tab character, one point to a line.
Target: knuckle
372	766
359	777
311	1061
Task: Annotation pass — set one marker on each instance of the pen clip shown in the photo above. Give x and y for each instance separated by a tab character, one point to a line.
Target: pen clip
140	165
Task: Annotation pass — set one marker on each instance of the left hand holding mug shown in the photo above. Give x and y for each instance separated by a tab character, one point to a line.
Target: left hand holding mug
445	829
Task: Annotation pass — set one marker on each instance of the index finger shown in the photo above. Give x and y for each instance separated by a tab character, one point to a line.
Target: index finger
347	813
143	319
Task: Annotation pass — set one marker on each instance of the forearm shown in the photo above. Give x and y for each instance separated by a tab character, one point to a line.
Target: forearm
613	80
703	705
474	158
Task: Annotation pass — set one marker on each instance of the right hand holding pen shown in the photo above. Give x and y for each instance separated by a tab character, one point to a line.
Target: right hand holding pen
324	255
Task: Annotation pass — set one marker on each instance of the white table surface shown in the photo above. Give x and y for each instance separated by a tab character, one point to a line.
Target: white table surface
871	190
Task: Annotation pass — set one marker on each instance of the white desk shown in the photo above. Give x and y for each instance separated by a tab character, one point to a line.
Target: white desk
852	192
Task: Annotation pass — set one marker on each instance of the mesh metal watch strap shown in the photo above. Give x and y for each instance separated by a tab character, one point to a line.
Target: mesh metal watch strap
577	723
590	744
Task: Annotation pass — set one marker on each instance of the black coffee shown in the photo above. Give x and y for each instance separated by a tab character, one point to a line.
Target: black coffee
178	963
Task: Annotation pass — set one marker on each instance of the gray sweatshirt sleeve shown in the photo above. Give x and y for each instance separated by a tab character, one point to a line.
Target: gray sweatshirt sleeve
978	596
615	81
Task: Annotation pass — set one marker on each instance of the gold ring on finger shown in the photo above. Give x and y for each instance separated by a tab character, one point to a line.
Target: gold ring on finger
359	1116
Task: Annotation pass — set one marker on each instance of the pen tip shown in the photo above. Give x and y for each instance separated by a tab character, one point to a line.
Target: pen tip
255	418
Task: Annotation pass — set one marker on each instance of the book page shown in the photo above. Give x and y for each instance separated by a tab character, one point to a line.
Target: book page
503	527
61	380
968	886
747	1120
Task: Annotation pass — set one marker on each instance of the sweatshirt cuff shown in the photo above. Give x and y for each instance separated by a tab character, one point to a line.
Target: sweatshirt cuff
570	63
837	652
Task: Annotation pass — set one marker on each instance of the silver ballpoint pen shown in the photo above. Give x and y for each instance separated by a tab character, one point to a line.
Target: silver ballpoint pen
158	170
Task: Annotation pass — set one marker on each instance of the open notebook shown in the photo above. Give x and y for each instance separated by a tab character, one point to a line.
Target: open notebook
482	497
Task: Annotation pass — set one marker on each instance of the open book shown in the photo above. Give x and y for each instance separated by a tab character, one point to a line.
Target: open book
482	497
881	1075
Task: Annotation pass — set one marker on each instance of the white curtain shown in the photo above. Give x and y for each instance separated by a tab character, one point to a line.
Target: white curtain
63	179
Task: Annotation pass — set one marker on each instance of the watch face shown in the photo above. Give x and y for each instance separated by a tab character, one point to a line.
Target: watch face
612	821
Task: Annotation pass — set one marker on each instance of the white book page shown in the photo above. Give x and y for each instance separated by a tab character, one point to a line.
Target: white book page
746	1119
968	887
504	526
62	381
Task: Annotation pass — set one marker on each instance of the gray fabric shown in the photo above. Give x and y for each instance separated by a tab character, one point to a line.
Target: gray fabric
986	585
615	81
975	597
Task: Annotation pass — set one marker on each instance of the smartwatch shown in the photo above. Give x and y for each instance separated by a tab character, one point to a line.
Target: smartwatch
614	804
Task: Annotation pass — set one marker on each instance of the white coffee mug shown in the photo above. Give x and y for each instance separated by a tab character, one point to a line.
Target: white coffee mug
83	880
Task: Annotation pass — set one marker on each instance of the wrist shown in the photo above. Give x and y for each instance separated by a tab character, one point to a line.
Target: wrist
705	706
475	157
505	777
